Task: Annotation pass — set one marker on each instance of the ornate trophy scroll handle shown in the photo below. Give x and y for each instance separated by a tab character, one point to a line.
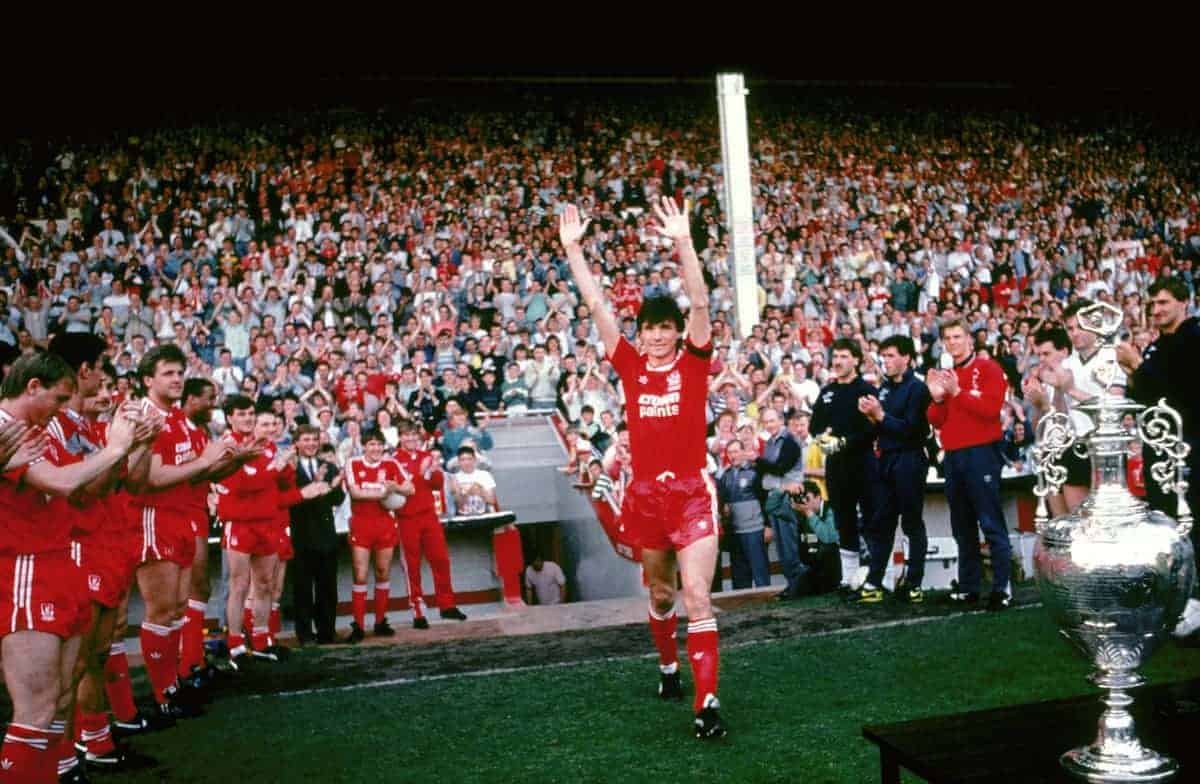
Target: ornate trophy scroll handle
1055	435
1160	427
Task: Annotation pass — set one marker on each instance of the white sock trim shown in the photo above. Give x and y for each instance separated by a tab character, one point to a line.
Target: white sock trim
116	649
658	617
356	588
669	669
195	604
155	629
383	586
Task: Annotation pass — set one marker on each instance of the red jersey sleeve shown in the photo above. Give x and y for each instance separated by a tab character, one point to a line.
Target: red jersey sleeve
625	359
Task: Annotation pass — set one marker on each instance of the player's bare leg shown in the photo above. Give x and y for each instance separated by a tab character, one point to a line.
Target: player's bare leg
95	736
696	564
158	583
660	566
262	571
64	708
239	589
32	673
360	562
278	579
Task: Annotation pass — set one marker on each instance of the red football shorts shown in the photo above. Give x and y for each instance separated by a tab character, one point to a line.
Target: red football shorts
251	538
108	561
199	524
284	544
374	533
43	592
669	512
167	536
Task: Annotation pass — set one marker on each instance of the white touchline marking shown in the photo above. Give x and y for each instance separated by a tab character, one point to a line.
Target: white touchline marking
614	659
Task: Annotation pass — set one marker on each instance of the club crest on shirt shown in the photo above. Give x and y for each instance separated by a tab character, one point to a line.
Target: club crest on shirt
674	381
827	398
47	611
93	582
883	393
643	380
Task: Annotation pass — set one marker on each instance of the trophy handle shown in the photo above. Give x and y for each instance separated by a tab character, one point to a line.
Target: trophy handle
1055	435
1160	427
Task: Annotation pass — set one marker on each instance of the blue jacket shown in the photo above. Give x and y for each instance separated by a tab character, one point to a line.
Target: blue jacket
905	423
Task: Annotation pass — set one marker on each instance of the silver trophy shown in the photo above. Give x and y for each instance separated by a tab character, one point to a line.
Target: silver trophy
1114	574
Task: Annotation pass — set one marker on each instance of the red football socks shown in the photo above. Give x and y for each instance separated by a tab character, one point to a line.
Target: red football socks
358	601
702	641
117	684
94	731
662	628
161	657
275	621
382	591
191	638
30	754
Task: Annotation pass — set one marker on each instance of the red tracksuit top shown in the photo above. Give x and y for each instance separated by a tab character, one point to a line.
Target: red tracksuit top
421	501
972	417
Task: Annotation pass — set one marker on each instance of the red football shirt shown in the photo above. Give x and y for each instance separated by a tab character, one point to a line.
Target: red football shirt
421	501
664	409
369	476
174	445
76	439
26	526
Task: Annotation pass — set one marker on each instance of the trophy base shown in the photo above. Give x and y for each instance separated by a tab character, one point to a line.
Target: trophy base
1136	764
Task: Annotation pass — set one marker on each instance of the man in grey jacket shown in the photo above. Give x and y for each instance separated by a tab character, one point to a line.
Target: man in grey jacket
739	489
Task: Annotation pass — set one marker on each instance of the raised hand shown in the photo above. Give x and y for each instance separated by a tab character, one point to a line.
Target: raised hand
12	433
33	446
871	408
571	226
672	222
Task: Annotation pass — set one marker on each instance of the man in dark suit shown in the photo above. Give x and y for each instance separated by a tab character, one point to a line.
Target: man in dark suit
314	575
781	470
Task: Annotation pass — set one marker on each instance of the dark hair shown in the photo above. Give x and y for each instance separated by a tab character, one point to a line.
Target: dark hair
901	343
78	348
194	387
1173	286
846	344
307	430
466	450
165	352
1053	334
811	487
49	369
236	403
373	434
660	310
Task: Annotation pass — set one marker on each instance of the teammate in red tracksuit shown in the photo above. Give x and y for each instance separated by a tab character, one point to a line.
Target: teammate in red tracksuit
289	496
421	531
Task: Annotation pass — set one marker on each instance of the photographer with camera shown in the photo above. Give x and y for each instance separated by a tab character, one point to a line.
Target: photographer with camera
822	568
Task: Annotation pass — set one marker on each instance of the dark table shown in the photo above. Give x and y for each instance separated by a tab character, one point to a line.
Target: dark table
1022	743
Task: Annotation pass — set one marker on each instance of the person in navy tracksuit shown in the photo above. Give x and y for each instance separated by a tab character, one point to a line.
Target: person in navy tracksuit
966	410
901	425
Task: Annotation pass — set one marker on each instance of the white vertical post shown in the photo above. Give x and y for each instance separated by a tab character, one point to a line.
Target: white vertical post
739	213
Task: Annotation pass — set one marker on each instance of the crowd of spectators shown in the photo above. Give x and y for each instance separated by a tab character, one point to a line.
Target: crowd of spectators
351	271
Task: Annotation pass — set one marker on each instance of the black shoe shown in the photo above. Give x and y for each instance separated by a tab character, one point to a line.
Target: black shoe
845	592
76	775
384	629
998	601
909	595
420	623
964	598
453	614
670	687
356	634
177	707
127	729
708	722
120	761
327	640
